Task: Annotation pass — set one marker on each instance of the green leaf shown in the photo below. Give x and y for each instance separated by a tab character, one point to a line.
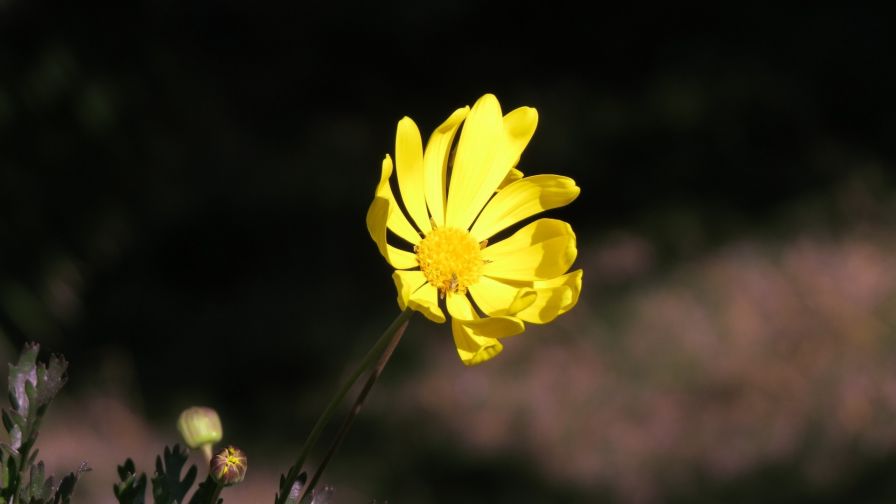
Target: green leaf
4	474
10	471
32	385
167	487
38	490
67	485
31	393
294	492
7	451
12	398
318	495
132	488
290	495
25	371
126	469
8	423
293	496
50	379
15	440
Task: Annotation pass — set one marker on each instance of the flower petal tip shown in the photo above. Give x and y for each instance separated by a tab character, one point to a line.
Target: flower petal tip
481	355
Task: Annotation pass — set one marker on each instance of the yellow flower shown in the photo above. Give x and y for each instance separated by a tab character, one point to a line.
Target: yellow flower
456	204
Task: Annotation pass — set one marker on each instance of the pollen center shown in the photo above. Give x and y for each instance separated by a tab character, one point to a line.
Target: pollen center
450	259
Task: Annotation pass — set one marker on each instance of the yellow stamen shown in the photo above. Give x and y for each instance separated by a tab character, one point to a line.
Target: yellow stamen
450	259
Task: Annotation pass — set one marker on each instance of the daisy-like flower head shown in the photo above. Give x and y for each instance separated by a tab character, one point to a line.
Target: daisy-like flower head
457	204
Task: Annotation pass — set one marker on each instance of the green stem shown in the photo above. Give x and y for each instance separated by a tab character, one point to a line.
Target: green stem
356	408
217	493
325	417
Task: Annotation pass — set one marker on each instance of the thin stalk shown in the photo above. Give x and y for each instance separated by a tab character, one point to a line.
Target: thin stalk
217	493
207	452
322	421
356	408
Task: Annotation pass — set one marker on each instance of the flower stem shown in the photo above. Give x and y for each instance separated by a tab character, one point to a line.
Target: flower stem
207	452
216	493
356	408
399	323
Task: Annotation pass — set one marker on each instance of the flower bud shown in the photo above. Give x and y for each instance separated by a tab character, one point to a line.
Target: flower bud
228	466
201	428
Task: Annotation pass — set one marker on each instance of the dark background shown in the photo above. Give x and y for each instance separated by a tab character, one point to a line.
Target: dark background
183	184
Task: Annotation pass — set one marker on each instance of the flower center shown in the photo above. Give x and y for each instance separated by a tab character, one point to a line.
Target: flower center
450	259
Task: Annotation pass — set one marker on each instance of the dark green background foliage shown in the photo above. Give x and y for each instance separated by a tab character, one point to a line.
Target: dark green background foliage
186	182
170	483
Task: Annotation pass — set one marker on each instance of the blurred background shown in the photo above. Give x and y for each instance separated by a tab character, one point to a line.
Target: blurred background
183	188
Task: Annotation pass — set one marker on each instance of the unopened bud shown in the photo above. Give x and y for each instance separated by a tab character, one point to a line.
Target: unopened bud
201	428
229	465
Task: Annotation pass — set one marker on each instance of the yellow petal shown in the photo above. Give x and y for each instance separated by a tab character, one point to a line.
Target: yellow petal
406	283
554	297
435	164
477	338
498	298
416	293
426	301
480	142
541	250
521	199
519	126
483	166
377	216
493	327
472	348
397	222
459	307
409	163
512	176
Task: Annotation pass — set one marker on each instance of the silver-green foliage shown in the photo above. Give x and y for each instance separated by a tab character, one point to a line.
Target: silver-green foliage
32	386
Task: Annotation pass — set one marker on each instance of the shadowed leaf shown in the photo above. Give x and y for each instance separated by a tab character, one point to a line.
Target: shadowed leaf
167	487
132	488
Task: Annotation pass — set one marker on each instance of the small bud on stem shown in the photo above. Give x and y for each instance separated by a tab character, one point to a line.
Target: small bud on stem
228	466
201	428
